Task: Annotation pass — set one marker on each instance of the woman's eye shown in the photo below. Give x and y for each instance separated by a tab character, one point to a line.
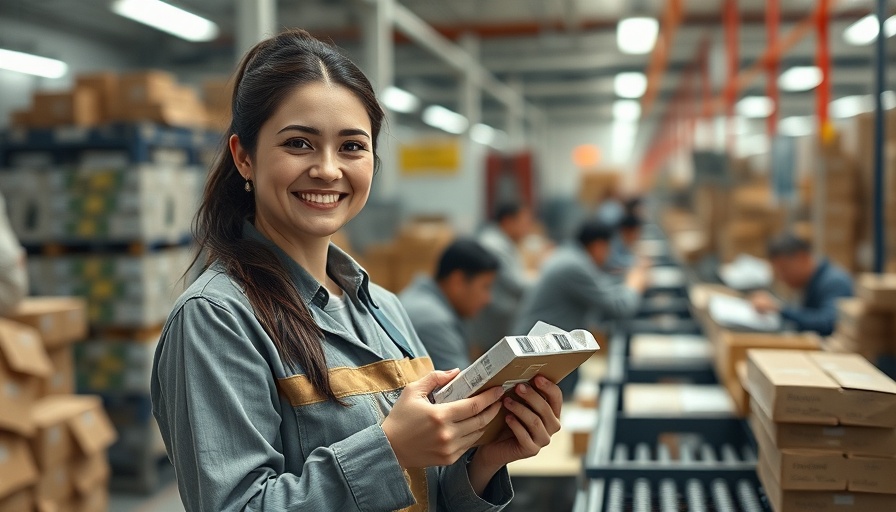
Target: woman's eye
297	144
353	146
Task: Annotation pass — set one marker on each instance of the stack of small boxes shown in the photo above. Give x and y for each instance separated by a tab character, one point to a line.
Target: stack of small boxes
826	429
107	97
52	443
752	220
866	324
841	209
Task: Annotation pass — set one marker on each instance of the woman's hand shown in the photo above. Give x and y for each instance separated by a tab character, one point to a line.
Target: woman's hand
423	434
532	424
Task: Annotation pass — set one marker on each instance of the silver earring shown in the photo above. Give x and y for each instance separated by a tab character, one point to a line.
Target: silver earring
248	186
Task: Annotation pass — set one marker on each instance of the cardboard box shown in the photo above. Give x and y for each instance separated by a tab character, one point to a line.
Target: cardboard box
664	400
857	321
877	290
659	349
146	88
105	86
821	501
731	346
801	470
62	380
69	427
516	360
858	441
19	501
737	388
76	108
90	471
872	474
17	469
60	320
54	487
821	388
23	364
96	500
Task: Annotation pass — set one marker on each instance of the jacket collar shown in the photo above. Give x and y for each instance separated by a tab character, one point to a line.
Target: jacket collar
344	270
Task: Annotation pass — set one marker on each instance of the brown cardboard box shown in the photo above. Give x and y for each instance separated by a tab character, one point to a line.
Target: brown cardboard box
69	427
595	185
23	363
857	321
54	488
60	320
19	501
749	200
868	395
801	470
731	346
821	388
878	291
663	400
872	474
96	500
737	388
867	347
17	469
62	380
381	262
105	86
22	118
90	471
789	387
868	441
821	501
76	108
146	88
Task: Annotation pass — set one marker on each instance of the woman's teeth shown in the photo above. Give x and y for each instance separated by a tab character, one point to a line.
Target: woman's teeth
320	198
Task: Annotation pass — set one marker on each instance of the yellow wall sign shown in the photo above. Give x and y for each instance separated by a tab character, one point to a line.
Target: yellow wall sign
430	157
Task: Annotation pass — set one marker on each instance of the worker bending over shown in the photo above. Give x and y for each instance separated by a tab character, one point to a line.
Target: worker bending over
575	284
820	282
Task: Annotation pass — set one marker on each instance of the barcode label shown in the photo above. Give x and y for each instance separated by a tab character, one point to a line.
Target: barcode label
487	364
525	344
475	380
563	341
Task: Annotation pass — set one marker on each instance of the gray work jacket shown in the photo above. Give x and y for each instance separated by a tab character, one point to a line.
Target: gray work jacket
436	323
246	433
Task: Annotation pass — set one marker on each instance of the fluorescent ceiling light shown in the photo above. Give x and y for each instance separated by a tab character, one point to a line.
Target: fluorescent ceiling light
796	126
755	106
630	85
168	18
800	78
483	134
32	64
850	106
864	31
626	110
400	100
444	119
637	35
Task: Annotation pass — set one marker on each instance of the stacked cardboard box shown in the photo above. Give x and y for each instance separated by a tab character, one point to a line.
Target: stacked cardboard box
596	185
416	250
752	220
106	97
841	212
825	427
54	443
122	290
712	207
218	94
147	203
866	324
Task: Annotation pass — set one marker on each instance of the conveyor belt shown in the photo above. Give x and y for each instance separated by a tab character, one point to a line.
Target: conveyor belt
667	495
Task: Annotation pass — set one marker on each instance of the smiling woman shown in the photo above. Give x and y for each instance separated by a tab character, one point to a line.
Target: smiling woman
284	379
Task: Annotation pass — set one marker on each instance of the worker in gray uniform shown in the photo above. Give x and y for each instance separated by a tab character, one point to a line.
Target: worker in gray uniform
575	284
438	305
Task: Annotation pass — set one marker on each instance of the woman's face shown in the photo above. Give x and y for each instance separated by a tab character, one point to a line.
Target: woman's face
313	163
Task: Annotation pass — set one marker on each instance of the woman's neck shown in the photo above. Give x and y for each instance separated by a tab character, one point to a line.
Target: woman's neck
310	253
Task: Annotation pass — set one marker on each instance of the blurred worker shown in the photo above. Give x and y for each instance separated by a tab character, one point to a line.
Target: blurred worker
820	282
574	285
622	248
512	223
436	307
610	210
13	274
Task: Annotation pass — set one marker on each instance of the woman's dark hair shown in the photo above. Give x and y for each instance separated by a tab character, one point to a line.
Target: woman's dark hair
270	71
469	257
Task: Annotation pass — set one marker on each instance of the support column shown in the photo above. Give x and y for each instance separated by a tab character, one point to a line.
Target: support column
255	20
515	124
472	153
379	66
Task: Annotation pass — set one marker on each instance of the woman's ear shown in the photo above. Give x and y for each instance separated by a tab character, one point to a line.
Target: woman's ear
240	157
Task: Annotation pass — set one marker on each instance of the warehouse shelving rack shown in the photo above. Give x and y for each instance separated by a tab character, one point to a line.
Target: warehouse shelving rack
139	140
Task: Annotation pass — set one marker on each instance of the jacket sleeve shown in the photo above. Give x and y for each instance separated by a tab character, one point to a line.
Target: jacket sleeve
822	319
217	405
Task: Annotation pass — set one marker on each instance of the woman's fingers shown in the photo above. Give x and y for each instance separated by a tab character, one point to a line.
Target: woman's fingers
532	421
551	393
540	406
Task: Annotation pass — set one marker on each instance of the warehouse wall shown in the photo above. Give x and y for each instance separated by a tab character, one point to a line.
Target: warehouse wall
81	54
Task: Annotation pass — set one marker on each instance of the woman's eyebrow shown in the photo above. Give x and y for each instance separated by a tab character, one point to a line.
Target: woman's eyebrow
314	131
